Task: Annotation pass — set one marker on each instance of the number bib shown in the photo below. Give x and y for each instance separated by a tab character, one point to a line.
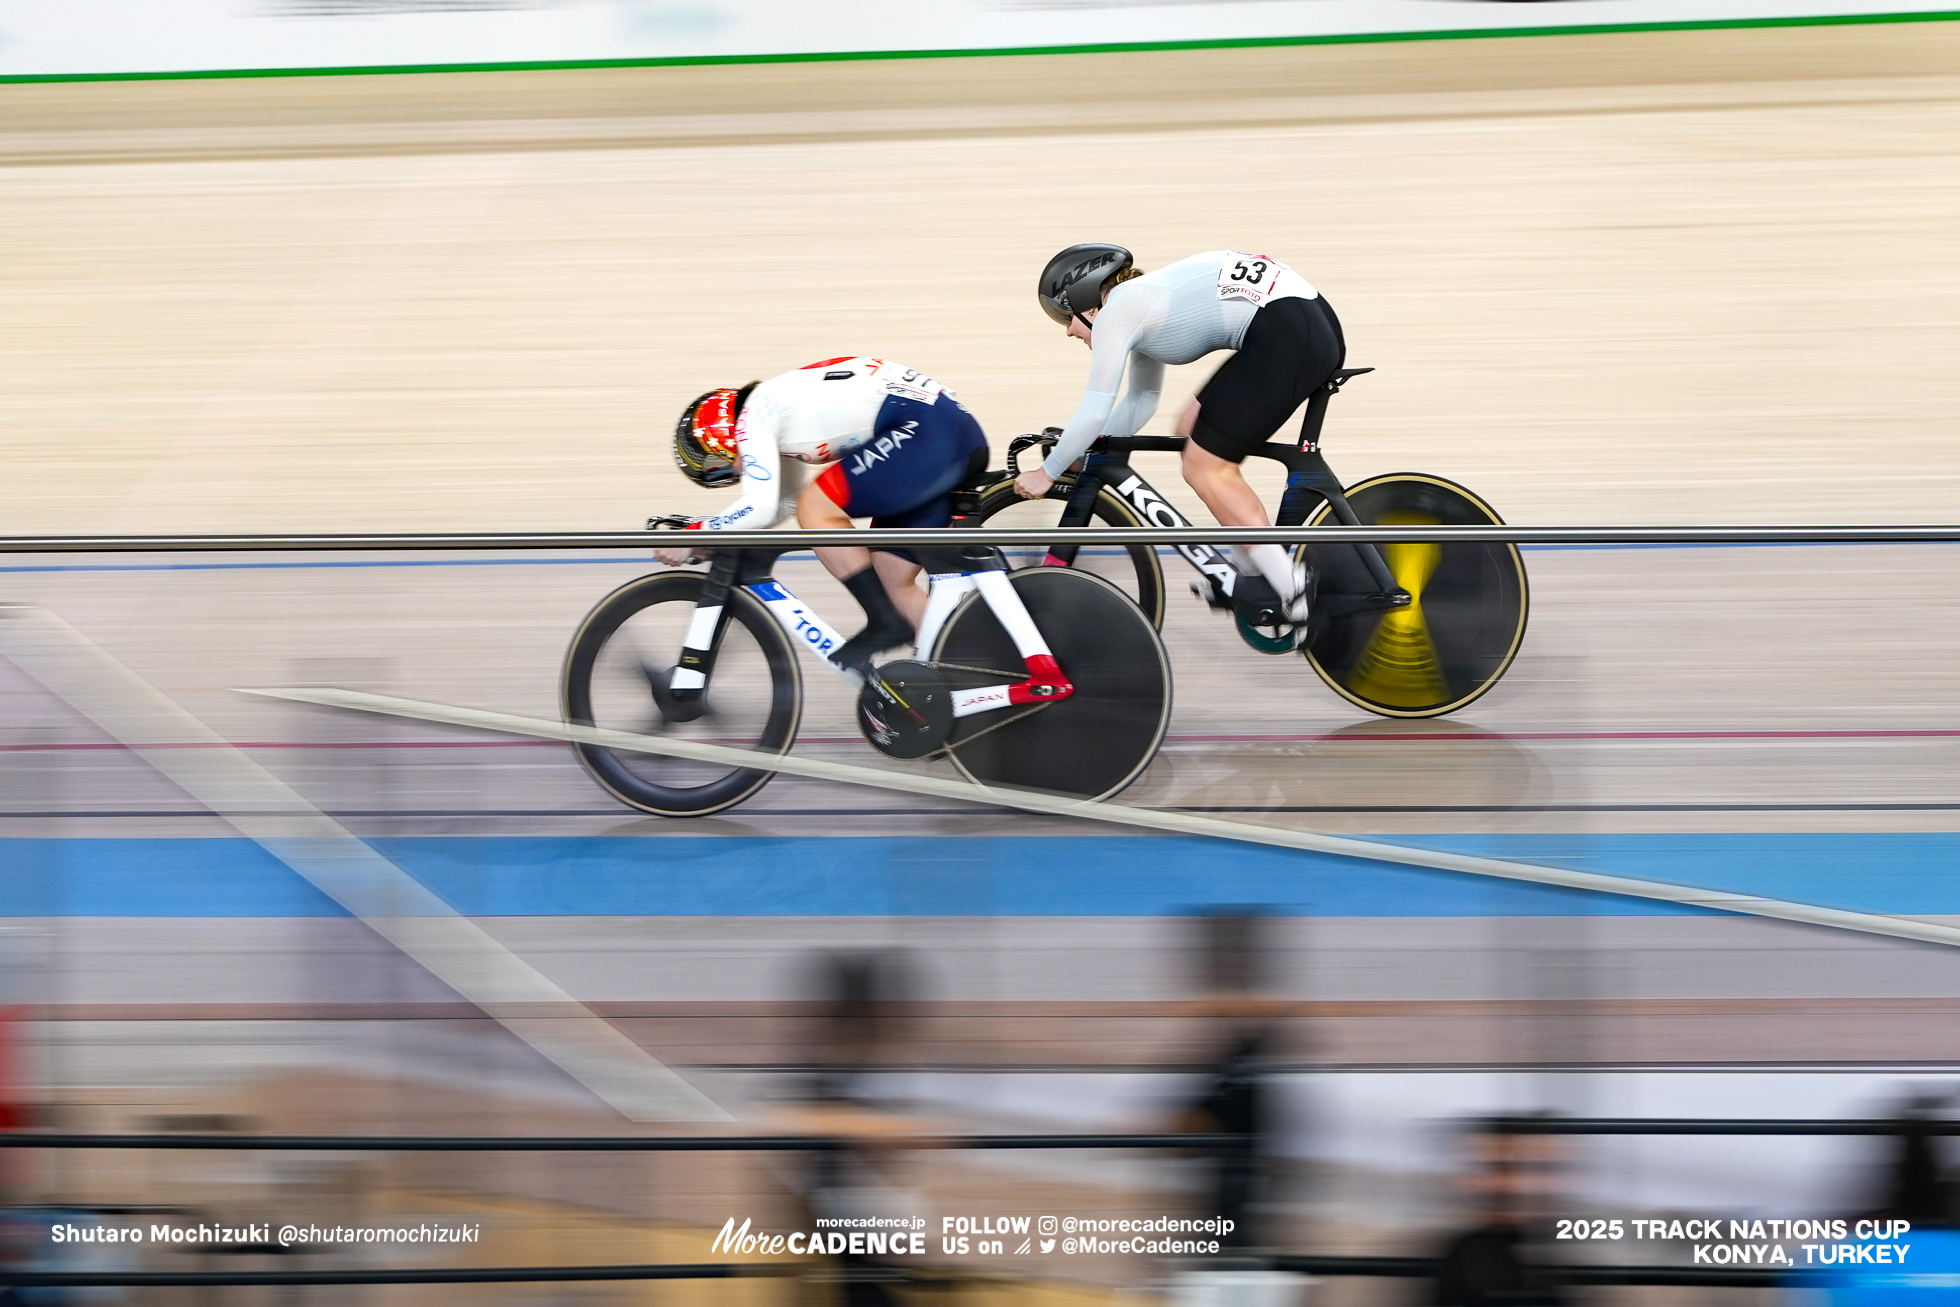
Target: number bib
910	382
1257	279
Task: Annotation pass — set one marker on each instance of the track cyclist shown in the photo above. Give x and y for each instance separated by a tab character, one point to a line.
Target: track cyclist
1287	341
896	443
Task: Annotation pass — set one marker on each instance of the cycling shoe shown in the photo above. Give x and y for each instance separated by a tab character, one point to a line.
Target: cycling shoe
856	653
1298	608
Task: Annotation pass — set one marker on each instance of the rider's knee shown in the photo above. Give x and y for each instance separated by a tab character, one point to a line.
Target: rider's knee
1200	464
814	510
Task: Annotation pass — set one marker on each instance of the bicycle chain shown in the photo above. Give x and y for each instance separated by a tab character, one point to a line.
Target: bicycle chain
1030	711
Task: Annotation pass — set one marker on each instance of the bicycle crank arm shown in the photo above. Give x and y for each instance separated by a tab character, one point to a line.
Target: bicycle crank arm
1346	605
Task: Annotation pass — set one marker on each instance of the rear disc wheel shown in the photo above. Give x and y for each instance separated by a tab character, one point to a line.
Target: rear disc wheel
1089	745
1466	620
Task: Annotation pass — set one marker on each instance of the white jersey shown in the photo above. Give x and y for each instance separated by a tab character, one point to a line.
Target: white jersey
814	415
1173	315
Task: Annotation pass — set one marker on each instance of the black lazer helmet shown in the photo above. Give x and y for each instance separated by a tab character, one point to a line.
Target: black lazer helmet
1072	283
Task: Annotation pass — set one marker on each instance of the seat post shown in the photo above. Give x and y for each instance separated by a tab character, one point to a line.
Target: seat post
1316	417
1317	406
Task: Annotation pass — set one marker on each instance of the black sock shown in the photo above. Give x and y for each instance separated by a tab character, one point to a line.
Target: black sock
884	625
879	610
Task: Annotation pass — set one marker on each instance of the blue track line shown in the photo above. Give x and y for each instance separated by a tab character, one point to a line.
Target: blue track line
678	875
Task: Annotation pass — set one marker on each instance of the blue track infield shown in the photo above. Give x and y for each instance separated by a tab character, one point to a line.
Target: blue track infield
1016	876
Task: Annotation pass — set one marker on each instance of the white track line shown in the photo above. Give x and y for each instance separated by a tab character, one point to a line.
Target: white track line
387	899
1868	923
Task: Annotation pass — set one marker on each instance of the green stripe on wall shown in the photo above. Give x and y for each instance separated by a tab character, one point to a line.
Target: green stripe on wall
1122	47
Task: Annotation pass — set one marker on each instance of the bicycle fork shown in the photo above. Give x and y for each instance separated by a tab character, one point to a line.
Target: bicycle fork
688	681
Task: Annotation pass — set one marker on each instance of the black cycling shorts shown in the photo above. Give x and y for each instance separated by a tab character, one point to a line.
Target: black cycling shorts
1290	348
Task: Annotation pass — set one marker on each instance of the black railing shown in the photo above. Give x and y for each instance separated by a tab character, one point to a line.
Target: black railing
1004	535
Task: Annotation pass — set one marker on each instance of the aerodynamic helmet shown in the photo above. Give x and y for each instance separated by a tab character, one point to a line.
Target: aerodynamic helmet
704	438
1072	283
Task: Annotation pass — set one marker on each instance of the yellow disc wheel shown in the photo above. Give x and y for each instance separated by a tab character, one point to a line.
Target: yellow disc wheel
1467	609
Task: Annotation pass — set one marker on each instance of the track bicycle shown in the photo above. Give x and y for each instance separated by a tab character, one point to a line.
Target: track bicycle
711	658
1403	630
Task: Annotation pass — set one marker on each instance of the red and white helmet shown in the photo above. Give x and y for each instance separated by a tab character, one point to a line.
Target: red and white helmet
704	438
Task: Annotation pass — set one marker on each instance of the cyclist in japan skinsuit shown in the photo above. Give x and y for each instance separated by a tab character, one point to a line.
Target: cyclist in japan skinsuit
1288	343
896	442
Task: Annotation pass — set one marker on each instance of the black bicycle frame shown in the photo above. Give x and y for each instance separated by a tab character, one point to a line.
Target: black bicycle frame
1308	481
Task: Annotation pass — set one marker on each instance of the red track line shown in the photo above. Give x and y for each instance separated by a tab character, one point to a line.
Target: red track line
106	747
1575	735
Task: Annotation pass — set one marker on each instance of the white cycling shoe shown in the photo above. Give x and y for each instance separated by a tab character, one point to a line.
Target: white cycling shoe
1297	608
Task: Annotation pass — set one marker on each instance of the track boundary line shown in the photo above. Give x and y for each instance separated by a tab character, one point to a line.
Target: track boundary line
1179	823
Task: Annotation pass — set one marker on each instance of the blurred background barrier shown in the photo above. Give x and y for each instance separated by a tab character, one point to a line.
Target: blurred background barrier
127	37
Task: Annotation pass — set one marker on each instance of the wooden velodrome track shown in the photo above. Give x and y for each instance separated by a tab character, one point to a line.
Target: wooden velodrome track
1668	277
1700	276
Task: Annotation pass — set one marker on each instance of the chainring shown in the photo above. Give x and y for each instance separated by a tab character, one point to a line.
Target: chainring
906	709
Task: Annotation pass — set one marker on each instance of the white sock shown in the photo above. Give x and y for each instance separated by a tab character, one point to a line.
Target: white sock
1275	565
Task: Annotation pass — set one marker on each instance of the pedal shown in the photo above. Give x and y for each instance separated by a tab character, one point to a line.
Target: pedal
1254	599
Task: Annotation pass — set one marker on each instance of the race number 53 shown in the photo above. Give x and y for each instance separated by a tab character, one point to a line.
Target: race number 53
1248	277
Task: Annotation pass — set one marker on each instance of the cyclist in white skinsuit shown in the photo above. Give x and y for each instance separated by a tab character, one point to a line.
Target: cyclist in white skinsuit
896	442
1288	341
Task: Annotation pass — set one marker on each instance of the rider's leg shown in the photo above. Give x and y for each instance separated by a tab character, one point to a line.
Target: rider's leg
884	624
1223	488
901	578
814	510
904	478
1289	350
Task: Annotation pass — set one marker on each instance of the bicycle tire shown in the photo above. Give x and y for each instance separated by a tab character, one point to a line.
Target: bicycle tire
1091	744
1450	646
1142	579
660	785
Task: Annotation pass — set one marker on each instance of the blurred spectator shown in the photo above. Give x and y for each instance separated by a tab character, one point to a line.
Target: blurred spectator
863	1001
1243	1025
1511	1176
1915	1186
